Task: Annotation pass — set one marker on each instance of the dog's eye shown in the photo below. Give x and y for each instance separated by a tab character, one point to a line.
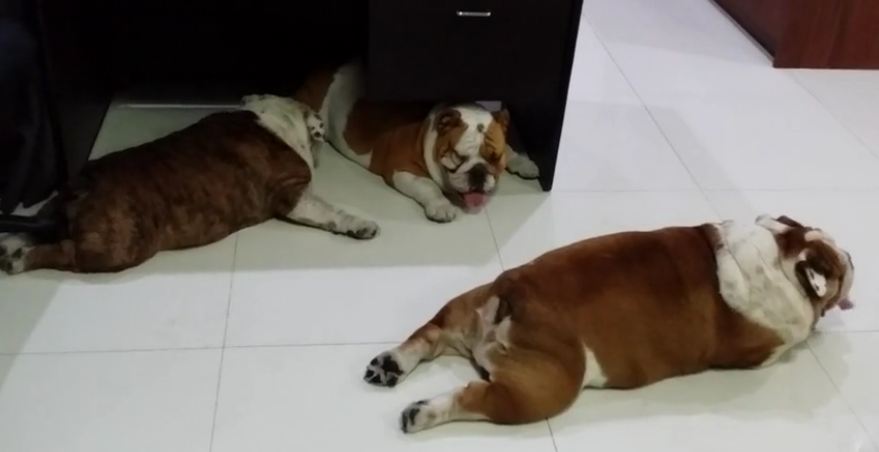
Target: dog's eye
452	160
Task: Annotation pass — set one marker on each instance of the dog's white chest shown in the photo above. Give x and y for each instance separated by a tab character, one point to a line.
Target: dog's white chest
594	377
754	283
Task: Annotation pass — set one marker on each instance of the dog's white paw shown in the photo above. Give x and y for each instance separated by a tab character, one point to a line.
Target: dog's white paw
522	166
10	243
355	227
13	248
425	414
361	229
13	263
384	370
441	211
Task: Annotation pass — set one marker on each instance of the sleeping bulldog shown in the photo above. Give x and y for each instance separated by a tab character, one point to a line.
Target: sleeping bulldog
442	156
623	311
195	186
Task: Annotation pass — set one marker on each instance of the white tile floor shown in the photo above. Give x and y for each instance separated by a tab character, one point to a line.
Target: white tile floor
257	343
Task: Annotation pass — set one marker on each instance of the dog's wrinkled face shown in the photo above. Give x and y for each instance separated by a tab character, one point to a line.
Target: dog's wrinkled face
813	260
471	148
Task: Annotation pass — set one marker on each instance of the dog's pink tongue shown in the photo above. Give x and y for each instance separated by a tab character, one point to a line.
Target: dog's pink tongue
474	200
845	304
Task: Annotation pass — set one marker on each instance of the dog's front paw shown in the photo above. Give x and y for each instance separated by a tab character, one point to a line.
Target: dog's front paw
362	229
441	211
522	166
10	243
414	417
425	414
384	370
13	263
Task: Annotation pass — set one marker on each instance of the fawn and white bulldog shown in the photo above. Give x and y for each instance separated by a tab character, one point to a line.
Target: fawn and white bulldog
439	155
624	311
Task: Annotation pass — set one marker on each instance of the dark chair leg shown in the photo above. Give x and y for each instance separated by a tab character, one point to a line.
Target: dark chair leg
30	225
19	93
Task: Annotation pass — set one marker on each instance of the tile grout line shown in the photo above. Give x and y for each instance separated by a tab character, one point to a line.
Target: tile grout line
216	400
845	401
497	247
231	287
317	344
838	332
207	348
829	111
223	347
652	116
712	190
795	190
551	435
290	345
110	351
613	191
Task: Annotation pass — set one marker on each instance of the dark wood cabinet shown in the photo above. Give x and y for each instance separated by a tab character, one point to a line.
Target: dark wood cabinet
519	53
466	49
841	34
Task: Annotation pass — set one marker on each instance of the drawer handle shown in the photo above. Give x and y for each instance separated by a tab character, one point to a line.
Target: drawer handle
477	14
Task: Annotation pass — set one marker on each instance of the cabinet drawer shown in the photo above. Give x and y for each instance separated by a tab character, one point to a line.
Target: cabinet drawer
466	49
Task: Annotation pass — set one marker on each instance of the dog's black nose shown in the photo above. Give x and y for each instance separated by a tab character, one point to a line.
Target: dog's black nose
477	176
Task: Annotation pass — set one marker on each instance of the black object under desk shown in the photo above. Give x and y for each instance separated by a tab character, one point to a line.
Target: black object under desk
517	52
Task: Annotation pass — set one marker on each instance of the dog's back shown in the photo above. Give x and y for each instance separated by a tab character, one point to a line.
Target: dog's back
648	303
189	188
196	186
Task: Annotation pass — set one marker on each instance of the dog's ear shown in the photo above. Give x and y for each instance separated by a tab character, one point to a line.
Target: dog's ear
503	119
818	270
812	280
784	219
447	120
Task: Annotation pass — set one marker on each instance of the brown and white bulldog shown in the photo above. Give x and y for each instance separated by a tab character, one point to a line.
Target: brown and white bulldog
438	155
195	186
624	311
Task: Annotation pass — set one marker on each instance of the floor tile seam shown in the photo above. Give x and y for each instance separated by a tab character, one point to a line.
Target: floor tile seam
842	398
836	118
222	360
494	238
196	349
552	435
653	119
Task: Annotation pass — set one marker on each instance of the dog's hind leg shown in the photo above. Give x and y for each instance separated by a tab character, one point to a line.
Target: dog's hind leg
526	385
520	164
60	256
69	255
454	330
